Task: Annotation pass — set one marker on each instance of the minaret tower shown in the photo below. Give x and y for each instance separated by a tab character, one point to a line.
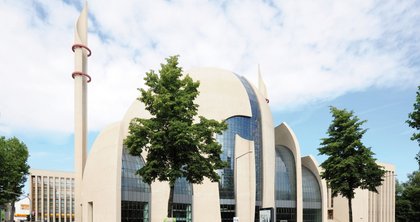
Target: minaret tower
81	78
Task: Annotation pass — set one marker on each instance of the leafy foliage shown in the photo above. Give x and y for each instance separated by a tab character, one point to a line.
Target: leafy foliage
407	206
414	118
13	169
177	143
414	122
350	164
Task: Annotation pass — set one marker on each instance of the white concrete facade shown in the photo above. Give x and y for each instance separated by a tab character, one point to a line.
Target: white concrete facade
259	155
367	205
222	96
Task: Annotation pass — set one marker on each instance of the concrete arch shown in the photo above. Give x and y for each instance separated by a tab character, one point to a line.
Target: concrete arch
268	153
310	163
284	136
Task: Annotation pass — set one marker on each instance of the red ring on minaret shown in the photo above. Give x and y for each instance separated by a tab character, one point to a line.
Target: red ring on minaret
81	46
81	74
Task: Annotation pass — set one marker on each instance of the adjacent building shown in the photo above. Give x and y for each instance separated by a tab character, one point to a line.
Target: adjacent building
368	206
22	209
52	195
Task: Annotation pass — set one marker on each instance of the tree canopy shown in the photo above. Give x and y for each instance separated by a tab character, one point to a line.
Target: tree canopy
177	142
13	169
407	206
414	122
350	164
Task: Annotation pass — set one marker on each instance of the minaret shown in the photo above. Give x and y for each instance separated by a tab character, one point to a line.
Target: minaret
81	78
261	85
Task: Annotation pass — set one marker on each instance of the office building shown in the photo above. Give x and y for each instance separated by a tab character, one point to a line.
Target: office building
52	195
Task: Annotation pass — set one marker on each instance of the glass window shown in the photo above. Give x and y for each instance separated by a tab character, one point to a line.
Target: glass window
311	197
285	184
130	181
256	133
182	212
133	211
182	203
248	128
182	187
236	125
135	194
227	212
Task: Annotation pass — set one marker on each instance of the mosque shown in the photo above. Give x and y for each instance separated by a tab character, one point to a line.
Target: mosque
266	177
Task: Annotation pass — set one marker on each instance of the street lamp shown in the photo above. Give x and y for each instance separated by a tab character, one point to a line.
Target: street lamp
25	196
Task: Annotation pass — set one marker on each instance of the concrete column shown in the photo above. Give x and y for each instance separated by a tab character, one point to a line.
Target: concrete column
65	200
42	199
54	197
60	191
245	187
48	199
35	199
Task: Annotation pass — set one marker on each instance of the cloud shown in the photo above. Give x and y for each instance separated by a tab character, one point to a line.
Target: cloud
309	51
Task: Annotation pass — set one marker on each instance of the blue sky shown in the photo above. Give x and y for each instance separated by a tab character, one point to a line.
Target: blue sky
362	55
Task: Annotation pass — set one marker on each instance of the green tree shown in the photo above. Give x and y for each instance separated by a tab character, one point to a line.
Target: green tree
407	205
13	169
178	144
414	122
350	164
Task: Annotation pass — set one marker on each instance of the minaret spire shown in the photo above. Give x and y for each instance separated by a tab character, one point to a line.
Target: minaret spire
261	85
81	78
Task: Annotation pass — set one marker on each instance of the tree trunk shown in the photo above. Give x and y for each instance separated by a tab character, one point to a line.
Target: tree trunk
12	216
170	201
350	210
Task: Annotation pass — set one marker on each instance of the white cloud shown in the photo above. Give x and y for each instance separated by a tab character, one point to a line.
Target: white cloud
308	50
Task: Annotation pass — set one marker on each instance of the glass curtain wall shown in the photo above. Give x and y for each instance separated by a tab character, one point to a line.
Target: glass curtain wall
236	125
135	194
285	185
182	205
248	128
312	208
256	136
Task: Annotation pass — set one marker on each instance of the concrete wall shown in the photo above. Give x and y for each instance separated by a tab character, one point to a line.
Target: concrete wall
102	178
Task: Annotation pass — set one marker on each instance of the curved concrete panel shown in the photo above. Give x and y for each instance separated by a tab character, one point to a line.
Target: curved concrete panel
206	203
268	153
101	187
310	163
285	136
222	95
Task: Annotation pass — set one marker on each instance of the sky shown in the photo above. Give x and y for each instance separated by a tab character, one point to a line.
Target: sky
362	55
